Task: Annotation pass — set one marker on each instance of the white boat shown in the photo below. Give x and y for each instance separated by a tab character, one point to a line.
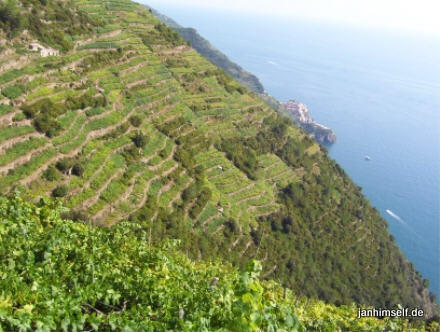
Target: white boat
367	158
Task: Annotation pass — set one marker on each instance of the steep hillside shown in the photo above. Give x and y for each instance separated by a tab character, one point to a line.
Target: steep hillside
129	123
321	133
61	260
205	48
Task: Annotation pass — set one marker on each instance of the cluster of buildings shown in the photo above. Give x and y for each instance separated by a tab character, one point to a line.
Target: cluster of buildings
44	51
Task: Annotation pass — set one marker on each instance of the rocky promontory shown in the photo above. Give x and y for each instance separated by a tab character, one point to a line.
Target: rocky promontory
301	114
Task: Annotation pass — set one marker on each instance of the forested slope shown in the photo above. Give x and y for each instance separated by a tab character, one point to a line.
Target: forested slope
129	123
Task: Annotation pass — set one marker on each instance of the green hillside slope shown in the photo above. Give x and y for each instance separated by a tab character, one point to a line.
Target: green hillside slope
219	59
320	133
129	123
62	261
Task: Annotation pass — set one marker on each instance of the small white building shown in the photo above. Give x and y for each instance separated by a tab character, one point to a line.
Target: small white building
44	51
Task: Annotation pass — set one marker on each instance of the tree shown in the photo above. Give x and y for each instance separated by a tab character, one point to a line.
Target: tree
51	174
139	140
64	165
10	19
135	121
77	170
44	123
60	191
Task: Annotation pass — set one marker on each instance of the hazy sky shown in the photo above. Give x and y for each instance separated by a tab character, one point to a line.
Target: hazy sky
421	16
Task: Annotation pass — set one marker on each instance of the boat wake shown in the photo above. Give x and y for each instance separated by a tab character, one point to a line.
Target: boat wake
395	216
400	220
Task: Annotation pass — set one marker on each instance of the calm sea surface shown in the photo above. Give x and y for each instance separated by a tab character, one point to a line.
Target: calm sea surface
379	92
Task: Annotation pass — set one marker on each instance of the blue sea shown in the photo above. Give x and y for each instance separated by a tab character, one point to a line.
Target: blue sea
378	90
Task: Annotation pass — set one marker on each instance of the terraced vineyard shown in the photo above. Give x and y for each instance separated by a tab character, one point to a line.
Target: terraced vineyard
140	89
133	124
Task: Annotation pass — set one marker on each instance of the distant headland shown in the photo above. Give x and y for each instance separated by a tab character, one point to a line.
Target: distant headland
300	112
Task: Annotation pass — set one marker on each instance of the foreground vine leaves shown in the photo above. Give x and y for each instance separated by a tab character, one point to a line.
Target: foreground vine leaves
57	274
